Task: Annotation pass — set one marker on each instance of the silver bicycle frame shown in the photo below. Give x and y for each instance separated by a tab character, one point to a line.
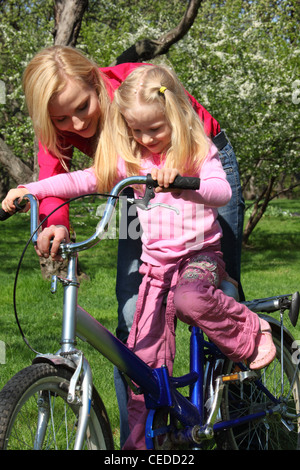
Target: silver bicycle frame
78	322
70	251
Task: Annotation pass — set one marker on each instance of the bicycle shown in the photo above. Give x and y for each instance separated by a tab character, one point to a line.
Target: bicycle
52	404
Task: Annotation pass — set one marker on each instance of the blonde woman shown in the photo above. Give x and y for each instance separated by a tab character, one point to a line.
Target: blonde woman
67	98
156	130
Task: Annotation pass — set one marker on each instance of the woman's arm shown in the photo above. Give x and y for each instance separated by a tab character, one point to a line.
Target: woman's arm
49	166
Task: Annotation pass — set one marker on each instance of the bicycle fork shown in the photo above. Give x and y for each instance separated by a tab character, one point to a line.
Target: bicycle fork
83	401
82	397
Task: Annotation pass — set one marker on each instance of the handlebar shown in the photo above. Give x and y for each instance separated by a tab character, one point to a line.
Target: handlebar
19	205
180	182
272	304
34	214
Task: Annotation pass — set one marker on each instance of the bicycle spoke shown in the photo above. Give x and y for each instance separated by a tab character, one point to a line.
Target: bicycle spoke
278	429
41	417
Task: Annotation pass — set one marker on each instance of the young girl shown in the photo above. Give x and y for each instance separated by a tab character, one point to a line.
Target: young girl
157	131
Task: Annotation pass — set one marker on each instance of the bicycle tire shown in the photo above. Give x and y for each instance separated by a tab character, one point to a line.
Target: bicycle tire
19	412
268	433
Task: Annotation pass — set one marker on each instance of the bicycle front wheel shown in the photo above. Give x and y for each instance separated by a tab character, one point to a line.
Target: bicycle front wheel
35	414
276	431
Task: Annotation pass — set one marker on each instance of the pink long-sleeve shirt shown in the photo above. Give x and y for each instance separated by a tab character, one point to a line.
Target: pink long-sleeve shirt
166	235
50	165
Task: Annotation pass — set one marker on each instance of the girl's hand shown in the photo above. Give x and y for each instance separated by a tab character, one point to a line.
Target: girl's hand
164	177
8	202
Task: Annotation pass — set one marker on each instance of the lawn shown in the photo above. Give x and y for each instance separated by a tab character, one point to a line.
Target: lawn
270	266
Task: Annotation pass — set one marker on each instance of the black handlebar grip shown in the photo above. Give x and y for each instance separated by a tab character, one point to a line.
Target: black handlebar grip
186	182
4	215
181	182
18	205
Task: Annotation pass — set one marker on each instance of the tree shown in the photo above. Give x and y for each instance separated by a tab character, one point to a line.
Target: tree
244	65
8	159
239	58
147	49
25	28
68	16
64	25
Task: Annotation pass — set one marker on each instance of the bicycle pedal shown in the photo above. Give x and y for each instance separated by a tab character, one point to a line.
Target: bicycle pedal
239	376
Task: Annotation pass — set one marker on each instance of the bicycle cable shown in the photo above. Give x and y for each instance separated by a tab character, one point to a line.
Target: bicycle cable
23	254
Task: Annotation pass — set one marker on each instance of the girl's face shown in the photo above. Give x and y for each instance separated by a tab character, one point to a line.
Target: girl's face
76	109
149	127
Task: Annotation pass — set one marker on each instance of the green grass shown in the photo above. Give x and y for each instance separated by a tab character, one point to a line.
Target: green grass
271	262
270	266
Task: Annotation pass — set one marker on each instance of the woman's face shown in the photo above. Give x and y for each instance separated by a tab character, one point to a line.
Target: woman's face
76	109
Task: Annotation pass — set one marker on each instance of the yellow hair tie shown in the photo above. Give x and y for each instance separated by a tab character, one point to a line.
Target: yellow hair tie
162	89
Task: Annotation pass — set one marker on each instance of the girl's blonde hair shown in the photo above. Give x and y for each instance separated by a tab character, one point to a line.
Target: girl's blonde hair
151	84
45	76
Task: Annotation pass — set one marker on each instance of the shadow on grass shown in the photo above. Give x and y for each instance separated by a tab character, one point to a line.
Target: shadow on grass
265	251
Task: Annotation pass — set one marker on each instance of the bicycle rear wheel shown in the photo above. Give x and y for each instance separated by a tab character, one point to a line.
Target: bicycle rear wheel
40	391
277	431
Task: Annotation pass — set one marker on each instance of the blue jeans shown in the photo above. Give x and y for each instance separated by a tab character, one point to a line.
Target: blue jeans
231	218
127	286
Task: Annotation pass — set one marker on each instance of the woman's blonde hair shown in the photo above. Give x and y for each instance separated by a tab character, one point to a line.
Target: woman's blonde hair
151	84
45	76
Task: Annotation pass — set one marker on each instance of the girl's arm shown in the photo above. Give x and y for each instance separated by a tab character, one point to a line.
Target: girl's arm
66	186
214	191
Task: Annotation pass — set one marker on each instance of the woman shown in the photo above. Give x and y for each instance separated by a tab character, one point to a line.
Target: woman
68	98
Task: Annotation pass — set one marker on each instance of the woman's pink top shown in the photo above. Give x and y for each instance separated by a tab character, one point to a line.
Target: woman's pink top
167	236
50	165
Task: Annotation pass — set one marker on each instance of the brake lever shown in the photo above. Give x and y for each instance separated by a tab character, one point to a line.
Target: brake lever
144	202
151	206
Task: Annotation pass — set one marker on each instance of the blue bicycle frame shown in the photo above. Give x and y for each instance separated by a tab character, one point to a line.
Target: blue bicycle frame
160	390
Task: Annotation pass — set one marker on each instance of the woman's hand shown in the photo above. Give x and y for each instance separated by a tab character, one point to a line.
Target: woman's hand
8	202
56	233
164	177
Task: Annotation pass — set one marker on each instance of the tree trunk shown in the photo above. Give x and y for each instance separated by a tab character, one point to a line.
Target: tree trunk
147	49
259	209
68	16
17	170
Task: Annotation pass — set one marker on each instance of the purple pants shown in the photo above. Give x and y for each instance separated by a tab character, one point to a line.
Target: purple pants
194	297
